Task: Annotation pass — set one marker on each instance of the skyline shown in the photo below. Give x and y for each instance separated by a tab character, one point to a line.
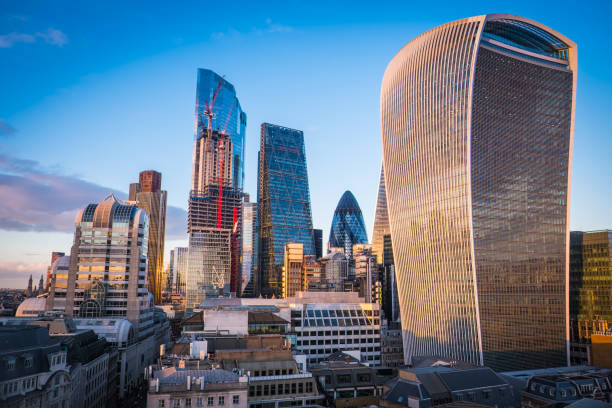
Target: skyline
328	90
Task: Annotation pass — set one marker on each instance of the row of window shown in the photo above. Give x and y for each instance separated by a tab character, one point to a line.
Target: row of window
337	341
198	402
280	389
339	332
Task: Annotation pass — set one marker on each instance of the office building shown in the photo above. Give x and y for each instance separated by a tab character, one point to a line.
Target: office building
34	370
170	387
449	387
381	218
293	274
322	322
215	200
314	275
590	279
179	257
348	227
283	199
347	382
249	215
228	118
148	195
477	128
107	276
54	257
336	266
390	299
318	242
577	386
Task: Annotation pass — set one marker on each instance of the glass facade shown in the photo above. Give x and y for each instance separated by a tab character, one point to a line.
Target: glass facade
348	227
283	199
107	274
148	195
477	137
226	109
249	212
381	219
591	276
178	268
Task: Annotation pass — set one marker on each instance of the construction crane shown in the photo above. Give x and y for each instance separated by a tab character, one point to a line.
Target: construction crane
222	136
208	112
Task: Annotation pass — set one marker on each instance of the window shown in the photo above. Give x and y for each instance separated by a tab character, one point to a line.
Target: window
362	377
176	403
211	401
10	363
221	400
161	403
199	401
344	379
236	399
187	402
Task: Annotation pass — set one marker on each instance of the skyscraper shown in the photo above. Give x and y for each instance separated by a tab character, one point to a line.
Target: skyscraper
283	200
249	214
54	257
228	118
318	242
149	196
178	267
348	227
108	263
215	199
381	219
477	130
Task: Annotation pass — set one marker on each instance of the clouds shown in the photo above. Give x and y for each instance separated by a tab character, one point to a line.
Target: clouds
51	36
33	198
6	129
16	274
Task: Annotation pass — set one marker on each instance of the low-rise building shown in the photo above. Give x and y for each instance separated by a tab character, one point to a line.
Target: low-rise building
34	369
275	379
444	386
348	383
561	386
177	388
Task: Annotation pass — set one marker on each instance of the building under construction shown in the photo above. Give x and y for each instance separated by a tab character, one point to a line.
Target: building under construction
215	206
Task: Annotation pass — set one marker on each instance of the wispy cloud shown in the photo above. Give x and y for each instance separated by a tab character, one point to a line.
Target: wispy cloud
268	27
54	37
277	28
16	274
33	198
6	129
51	36
10	39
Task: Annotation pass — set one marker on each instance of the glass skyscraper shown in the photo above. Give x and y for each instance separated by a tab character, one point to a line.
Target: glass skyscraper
283	200
381	219
348	227
215	201
149	196
226	109
477	129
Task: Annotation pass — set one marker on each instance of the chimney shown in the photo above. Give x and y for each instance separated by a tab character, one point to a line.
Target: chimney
188	383
201	383
157	385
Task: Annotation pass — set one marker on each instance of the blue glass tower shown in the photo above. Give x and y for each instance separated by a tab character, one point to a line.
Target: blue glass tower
283	200
226	110
347	226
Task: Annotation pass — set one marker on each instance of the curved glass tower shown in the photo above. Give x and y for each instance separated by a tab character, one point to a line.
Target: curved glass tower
477	130
347	226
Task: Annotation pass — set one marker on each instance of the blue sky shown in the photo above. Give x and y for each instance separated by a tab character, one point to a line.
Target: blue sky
94	92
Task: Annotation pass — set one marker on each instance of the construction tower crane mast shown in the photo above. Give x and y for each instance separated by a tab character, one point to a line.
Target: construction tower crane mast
222	136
